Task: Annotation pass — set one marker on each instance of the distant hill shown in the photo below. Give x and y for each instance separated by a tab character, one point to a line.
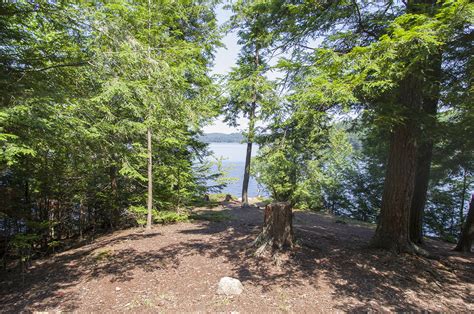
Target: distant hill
222	138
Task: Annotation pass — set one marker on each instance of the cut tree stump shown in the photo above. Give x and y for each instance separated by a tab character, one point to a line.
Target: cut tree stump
277	233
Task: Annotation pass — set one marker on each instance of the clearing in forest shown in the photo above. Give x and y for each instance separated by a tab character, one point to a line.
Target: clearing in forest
177	268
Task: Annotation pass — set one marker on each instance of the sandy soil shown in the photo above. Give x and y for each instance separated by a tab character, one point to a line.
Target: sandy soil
176	268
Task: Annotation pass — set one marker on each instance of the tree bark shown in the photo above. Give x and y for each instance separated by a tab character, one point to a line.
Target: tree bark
466	239
114	220
277	233
425	149
150	181
463	195
248	157
422	176
149	138
393	228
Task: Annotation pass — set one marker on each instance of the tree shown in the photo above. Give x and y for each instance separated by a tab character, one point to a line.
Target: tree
80	88
250	93
390	60
153	67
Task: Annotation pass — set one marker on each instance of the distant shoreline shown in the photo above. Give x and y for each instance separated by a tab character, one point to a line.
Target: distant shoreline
222	138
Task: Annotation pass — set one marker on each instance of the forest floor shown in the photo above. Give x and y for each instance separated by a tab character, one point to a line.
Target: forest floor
176	268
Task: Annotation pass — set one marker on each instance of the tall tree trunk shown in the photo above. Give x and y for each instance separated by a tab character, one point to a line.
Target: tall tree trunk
248	157
81	220
150	181
114	220
148	133
466	239
422	176
393	228
463	196
425	148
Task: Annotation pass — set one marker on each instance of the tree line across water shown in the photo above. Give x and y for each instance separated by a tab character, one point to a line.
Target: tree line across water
102	107
222	138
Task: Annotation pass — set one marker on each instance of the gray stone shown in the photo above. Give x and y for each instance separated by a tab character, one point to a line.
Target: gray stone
229	286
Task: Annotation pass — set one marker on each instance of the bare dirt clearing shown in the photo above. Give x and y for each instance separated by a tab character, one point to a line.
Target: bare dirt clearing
177	267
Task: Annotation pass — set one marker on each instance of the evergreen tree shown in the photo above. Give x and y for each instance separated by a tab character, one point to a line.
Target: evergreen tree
250	93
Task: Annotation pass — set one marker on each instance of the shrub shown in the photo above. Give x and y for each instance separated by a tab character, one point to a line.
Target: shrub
139	213
168	217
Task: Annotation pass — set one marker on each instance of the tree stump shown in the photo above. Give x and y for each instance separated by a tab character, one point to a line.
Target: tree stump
277	233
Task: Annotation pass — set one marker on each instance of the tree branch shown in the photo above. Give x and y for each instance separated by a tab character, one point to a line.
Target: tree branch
73	64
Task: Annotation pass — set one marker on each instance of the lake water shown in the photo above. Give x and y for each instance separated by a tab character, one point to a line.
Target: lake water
234	154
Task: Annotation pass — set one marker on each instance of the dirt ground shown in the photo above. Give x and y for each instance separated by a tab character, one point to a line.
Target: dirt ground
176	268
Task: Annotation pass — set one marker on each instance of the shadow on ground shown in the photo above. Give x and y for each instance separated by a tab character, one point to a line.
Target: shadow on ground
330	251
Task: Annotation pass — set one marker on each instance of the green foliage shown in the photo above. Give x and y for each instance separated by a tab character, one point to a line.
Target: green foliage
360	68
22	244
307	172
80	84
24	241
139	213
169	217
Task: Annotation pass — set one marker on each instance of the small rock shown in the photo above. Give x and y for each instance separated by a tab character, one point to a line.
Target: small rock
229	286
118	288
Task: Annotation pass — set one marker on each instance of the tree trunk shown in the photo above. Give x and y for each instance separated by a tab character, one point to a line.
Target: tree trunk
277	233
393	228
148	133
463	196
245	184
248	157
422	176
81	220
466	239
425	149
114	220
150	181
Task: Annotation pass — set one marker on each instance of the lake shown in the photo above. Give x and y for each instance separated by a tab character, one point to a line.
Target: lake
234	154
